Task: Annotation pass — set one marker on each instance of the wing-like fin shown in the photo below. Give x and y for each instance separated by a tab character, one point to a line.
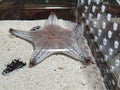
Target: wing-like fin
38	56
22	34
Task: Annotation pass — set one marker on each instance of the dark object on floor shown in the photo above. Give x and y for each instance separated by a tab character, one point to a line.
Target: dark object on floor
35	28
15	64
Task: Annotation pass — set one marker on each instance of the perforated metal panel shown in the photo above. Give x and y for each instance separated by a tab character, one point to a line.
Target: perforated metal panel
102	30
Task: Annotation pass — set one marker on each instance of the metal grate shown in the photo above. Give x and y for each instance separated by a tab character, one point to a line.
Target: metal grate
102	30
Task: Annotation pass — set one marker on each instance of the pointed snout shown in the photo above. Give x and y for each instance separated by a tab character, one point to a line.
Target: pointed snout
32	64
11	31
52	19
53	15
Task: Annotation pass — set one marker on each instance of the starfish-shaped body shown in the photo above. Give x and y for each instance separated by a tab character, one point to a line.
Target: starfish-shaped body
51	39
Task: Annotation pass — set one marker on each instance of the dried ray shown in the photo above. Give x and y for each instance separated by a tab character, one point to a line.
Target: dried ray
52	39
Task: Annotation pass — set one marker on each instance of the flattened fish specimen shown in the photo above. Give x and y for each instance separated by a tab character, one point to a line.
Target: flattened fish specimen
52	39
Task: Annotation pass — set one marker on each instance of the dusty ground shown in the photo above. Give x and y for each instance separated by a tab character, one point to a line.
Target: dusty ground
57	72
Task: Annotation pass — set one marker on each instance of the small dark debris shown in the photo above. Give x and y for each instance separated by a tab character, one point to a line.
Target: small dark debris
89	61
15	64
60	68
35	28
54	70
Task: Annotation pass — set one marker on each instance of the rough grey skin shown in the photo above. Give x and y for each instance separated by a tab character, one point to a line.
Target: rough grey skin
50	40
